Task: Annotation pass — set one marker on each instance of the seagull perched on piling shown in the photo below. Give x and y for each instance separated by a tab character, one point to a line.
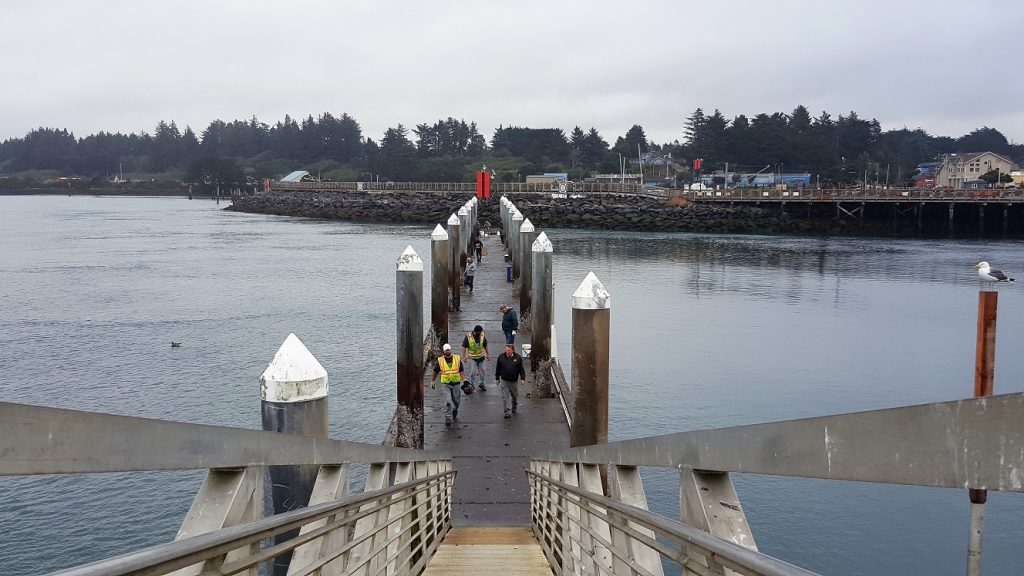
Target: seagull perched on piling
991	275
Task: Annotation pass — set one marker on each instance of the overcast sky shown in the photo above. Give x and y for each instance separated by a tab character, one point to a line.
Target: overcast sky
948	67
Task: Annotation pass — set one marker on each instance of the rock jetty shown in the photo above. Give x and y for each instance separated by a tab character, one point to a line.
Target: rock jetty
605	212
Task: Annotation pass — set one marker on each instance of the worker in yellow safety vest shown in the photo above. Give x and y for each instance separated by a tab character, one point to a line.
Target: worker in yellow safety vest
474	353
449	366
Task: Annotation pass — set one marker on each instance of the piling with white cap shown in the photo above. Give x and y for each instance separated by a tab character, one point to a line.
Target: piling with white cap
464	232
516	222
527	235
293	400
439	281
409	349
454	264
542	309
591	321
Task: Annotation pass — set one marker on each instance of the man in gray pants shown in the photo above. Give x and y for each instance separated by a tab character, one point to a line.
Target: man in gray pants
508	373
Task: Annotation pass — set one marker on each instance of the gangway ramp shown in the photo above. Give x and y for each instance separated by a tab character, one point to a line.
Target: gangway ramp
474	551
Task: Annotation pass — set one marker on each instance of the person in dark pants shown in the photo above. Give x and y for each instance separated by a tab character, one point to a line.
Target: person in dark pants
478	246
509	373
509	323
470	274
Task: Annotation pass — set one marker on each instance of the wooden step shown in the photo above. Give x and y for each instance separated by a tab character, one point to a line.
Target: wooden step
481	550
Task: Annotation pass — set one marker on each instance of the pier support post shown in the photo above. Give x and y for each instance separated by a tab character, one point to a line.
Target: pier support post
293	400
1006	219
917	215
591	322
949	226
455	268
409	349
504	221
464	232
527	235
542	310
516	221
984	371
439	281
981	219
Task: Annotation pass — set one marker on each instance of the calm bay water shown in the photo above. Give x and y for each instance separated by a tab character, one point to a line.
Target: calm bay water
707	331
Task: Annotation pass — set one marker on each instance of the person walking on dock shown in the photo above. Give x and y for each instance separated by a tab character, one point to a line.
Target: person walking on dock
509	323
470	274
478	246
449	366
474	353
508	373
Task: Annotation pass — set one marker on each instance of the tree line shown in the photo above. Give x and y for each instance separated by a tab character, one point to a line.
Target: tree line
838	150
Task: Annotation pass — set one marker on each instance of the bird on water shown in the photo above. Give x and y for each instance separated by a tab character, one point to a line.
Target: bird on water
988	274
175	344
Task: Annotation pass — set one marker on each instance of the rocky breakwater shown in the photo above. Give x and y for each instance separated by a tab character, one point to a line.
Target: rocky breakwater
626	212
411	207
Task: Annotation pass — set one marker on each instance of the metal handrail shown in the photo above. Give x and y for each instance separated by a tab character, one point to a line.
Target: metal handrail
687	540
870	194
165	558
973	442
43	440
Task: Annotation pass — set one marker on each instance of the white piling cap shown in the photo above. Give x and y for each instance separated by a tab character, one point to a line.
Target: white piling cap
409	260
294	375
517	215
453	220
504	200
542	243
473	200
526	226
439	233
591	295
463	211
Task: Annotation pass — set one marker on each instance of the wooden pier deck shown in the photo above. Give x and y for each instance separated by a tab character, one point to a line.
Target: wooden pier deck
489	452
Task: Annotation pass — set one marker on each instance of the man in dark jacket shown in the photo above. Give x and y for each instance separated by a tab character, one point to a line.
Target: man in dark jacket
508	373
509	323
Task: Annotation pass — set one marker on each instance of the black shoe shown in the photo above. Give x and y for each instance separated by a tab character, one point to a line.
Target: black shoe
455	413
514	408
508	415
482	387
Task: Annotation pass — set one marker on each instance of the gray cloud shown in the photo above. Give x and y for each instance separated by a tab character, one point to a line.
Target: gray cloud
945	66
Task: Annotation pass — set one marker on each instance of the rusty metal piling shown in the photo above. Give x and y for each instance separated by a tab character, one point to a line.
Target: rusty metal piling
591	322
984	371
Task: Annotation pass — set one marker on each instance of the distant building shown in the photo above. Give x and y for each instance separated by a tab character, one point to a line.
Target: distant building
756	180
957	169
614	178
298	176
652	159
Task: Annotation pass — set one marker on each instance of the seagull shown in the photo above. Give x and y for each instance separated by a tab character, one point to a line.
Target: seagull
989	274
175	344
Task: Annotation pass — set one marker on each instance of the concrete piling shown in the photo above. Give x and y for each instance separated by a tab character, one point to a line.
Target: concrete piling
591	321
515	223
409	349
439	281
527	235
455	267
293	400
